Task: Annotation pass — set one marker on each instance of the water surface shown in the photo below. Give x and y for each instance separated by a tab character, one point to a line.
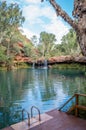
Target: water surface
45	88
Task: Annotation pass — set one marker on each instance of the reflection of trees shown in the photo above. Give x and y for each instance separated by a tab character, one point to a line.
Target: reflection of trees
12	84
46	86
72	81
74	85
36	86
68	82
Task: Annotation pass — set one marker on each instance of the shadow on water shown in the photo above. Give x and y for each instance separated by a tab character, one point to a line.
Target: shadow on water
45	88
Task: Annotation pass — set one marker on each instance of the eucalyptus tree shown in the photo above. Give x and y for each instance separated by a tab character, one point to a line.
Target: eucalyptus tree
34	40
69	45
46	44
3	20
79	23
10	20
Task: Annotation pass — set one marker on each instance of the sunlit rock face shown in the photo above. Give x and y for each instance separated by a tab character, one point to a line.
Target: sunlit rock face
67	59
64	59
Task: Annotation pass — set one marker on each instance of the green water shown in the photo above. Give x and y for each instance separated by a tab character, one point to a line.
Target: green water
45	88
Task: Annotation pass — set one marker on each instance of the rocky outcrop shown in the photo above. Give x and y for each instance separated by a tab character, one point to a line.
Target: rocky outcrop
61	59
80	59
52	60
67	59
19	58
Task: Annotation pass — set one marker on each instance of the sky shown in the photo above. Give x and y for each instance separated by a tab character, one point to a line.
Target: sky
40	16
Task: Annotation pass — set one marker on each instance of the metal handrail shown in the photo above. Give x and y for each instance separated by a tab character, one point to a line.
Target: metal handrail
67	102
37	110
27	114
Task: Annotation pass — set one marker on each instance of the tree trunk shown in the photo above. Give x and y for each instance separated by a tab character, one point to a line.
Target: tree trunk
82	28
81	37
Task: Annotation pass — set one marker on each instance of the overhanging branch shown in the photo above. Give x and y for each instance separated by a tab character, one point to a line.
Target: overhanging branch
63	14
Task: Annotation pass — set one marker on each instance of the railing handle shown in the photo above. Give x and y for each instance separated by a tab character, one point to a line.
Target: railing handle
27	114
67	102
37	110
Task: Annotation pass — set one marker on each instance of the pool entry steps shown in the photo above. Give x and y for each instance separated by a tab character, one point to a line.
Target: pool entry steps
53	120
75	106
25	111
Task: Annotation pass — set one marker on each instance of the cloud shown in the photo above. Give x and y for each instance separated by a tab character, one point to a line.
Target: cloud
33	1
35	14
44	18
58	28
31	13
35	11
27	32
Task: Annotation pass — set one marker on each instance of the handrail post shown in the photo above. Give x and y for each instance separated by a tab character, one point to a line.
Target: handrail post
37	110
77	103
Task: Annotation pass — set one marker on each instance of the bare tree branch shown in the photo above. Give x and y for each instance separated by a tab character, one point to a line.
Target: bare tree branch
63	14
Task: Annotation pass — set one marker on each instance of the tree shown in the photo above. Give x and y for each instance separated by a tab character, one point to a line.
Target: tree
34	40
68	44
10	20
47	44
79	24
28	49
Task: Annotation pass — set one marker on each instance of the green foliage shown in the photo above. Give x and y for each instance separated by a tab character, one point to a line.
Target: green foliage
69	44
2	54
10	20
23	65
28	50
47	47
34	40
46	44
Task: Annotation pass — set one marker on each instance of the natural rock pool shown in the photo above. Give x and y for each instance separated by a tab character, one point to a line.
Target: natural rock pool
45	88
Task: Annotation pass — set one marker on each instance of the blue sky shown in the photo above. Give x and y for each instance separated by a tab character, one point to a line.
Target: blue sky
42	17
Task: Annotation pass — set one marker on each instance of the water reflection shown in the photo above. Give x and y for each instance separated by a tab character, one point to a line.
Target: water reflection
45	88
